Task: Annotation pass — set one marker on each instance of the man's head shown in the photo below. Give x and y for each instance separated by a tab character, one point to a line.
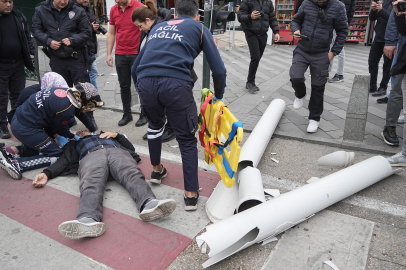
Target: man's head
60	4
83	133
322	3
6	6
187	7
123	3
84	3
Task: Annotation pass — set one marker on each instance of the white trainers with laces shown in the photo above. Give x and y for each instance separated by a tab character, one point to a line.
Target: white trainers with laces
298	103
397	160
313	126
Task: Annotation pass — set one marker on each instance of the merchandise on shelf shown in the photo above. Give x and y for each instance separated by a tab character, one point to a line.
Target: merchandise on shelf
358	26
284	11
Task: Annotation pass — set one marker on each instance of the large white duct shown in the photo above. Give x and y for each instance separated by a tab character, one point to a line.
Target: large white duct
223	201
268	219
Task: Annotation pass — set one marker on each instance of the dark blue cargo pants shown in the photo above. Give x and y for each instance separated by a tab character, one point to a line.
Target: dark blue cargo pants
176	96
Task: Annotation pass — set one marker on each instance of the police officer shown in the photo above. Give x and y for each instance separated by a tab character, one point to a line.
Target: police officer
92	46
63	27
162	74
15	49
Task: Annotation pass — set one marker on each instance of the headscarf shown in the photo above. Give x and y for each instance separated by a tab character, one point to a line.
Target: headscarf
52	79
85	96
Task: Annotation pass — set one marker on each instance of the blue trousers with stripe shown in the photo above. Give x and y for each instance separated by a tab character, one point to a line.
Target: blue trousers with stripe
158	94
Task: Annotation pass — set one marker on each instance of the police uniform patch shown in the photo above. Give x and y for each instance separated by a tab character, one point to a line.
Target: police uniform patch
172	22
71	14
60	93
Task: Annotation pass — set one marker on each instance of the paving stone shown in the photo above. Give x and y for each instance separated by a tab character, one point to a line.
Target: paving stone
329	116
342	106
378	121
331	100
291	128
327	126
344	100
340	113
329	107
336	134
320	134
295	118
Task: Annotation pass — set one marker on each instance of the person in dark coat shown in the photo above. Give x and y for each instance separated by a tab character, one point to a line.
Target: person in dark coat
63	28
316	20
16	49
400	68
256	16
50	109
380	12
96	159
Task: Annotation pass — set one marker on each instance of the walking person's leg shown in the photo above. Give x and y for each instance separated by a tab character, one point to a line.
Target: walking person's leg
300	63
375	55
123	67
255	55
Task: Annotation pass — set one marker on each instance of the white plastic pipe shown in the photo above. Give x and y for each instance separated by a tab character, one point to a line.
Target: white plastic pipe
251	189
258	140
268	219
223	201
338	158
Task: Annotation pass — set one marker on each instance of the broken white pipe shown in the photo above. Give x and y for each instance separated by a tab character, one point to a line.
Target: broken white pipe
339	158
251	189
254	147
270	218
223	201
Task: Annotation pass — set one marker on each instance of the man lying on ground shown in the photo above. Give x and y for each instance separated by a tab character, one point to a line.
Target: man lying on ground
95	158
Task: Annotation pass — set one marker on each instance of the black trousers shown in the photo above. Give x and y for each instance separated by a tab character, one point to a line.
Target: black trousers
12	82
72	70
375	55
256	45
319	63
124	64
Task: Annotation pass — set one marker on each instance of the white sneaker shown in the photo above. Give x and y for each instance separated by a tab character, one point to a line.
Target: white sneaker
401	119
74	229
313	126
298	103
163	209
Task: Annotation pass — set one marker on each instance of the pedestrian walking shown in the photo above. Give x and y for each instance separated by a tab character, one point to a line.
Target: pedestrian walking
126	35
380	12
16	49
256	16
313	27
63	28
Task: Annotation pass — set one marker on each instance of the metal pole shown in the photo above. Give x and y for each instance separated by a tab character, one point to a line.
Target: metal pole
206	67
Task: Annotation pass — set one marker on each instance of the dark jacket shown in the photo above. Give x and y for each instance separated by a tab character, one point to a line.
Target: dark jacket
25	38
391	32
320	33
74	25
24	95
68	162
381	18
400	66
51	109
349	8
92	42
259	26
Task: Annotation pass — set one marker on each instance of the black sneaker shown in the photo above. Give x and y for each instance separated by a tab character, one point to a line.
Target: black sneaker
337	78
156	177
380	92
372	88
10	166
141	121
4	132
191	202
252	88
145	137
168	135
389	136
127	118
382	100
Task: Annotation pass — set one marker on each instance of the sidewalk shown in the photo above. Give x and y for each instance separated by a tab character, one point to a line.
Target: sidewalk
273	80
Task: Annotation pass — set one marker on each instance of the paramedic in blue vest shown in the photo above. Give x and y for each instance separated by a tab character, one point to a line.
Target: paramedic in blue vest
163	81
48	109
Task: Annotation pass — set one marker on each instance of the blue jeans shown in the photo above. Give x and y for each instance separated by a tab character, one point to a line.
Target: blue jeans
401	42
93	73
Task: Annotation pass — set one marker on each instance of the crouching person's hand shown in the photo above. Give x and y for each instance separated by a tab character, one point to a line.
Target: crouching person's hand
40	180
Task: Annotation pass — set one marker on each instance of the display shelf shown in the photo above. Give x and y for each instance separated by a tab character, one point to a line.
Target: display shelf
360	20
284	12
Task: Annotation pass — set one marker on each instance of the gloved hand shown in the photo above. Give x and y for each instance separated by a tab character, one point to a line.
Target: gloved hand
62	140
77	138
215	99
